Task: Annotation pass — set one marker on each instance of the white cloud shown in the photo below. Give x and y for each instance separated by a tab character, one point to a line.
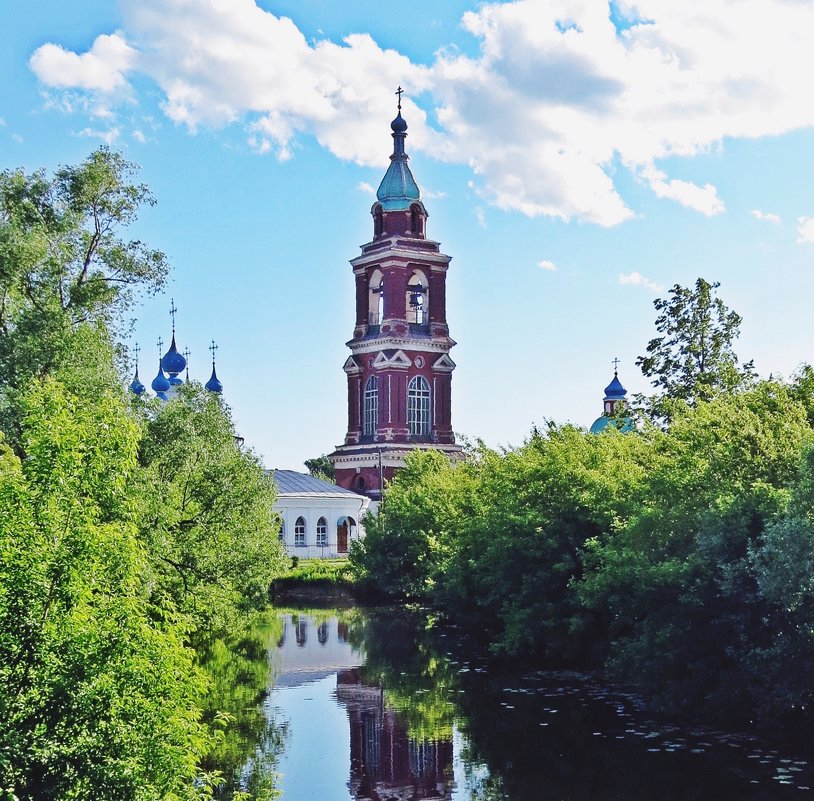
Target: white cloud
102	68
17	138
637	279
364	186
765	215
108	137
805	229
555	102
139	136
700	198
545	264
480	216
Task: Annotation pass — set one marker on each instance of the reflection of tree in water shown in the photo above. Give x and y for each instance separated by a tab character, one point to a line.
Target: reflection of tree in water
239	672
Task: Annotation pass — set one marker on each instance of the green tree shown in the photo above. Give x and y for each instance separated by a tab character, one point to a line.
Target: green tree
676	578
693	359
206	510
64	262
99	696
321	467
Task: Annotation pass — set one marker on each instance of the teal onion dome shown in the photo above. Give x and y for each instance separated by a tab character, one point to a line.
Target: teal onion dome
173	362
398	189
136	387
160	383
214	385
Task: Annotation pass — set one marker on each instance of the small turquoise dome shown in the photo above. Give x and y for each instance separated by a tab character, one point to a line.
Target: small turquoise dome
213	385
601	423
136	387
173	362
398	189
160	383
615	390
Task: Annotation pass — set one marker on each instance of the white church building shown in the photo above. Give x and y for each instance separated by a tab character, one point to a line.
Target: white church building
319	519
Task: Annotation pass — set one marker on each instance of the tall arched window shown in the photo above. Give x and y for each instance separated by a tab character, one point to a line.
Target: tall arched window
322	532
378	221
370	416
299	532
418	406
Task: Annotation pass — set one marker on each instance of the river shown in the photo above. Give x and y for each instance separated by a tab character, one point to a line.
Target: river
383	706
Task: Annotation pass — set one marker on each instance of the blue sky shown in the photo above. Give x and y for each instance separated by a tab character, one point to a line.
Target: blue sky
577	159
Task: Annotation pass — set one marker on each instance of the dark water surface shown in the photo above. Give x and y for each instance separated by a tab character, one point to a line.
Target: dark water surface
376	704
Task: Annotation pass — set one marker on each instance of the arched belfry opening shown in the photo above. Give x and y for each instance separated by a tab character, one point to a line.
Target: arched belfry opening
417	298
375	298
416	220
378	221
399	374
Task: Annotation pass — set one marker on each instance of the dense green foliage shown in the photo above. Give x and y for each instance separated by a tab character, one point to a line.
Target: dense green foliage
679	556
130	531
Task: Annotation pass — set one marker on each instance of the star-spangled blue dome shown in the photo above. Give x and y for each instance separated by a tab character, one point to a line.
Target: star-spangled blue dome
136	387
160	383
173	362
214	385
398	189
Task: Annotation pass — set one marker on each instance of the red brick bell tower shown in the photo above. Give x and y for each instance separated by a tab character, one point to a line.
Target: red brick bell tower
399	371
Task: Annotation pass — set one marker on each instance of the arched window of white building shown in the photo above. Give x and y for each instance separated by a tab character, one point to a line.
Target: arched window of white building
418	407
322	532
370	415
299	532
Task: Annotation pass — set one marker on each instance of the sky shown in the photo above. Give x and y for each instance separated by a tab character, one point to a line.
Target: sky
577	159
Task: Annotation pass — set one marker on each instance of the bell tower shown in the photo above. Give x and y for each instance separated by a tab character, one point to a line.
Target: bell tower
399	371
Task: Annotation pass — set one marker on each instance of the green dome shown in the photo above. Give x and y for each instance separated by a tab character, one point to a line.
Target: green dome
398	189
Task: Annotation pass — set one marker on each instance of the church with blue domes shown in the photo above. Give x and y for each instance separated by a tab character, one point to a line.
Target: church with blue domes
170	366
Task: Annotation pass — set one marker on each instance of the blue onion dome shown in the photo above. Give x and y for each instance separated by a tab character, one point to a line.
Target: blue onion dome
173	362
615	390
399	125
160	382
136	387
214	385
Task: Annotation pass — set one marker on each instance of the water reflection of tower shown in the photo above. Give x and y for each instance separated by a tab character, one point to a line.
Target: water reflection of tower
385	763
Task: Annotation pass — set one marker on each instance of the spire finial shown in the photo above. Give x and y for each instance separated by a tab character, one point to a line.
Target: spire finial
399	92
187	354
213	349
136	350
615	365
173	311
160	344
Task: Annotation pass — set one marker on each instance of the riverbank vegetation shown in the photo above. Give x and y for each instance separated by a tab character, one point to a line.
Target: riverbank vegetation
133	534
678	557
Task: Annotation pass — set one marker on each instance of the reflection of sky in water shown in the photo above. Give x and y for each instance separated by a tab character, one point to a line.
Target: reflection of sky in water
316	764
